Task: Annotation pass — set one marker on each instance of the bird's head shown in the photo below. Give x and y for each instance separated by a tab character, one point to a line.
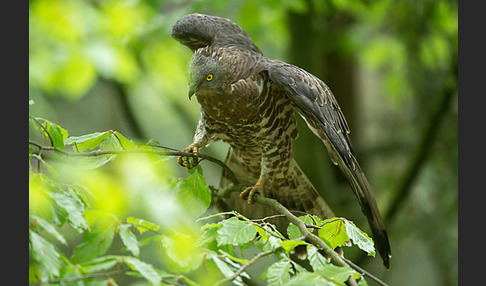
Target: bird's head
210	70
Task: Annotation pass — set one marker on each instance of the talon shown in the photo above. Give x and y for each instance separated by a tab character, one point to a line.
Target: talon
184	160
248	193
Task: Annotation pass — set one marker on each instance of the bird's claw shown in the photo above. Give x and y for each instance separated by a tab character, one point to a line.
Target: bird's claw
250	192
184	160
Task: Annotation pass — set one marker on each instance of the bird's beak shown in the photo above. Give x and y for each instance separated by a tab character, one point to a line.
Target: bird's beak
192	90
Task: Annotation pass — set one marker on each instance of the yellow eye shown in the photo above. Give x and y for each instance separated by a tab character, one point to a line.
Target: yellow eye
209	77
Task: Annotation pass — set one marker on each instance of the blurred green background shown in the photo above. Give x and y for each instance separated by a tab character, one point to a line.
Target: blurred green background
392	65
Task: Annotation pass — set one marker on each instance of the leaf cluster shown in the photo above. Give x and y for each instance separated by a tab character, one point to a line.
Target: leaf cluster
214	246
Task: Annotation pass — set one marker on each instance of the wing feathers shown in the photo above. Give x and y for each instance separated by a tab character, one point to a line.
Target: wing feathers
315	102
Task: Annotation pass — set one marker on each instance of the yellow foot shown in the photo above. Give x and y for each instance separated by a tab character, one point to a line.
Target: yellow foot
248	193
184	160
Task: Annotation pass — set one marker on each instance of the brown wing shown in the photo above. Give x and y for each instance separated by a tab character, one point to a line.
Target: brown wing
318	106
199	30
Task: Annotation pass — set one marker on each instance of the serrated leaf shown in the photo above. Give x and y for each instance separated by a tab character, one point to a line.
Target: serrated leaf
224	268
309	279
129	239
45	254
73	207
125	143
316	260
294	232
96	241
288	245
194	193
263	234
102	263
210	233
360	238
111	143
142	225
336	273
236	259
88	141
235	232
271	243
333	232
49	228
278	273
57	134
145	269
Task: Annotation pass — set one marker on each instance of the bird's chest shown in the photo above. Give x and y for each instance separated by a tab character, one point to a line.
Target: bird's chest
237	104
248	112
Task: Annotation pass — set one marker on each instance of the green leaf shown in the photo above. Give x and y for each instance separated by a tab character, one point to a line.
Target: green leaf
194	193
96	241
74	208
333	232
182	248
57	134
278	273
145	269
210	233
102	263
336	273
271	243
288	245
235	232
142	225
294	232
309	279
88	141
45	254
360	238
125	143
111	143
129	239
235	259
49	228
224	268
316	260
216	215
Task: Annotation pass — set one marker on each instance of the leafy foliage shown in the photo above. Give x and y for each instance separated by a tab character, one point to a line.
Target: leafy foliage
87	57
204	245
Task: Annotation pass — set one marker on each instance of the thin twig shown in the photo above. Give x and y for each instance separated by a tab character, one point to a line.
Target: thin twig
96	153
310	237
364	272
248	264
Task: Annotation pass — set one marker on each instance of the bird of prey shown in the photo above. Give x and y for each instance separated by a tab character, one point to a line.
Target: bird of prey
248	101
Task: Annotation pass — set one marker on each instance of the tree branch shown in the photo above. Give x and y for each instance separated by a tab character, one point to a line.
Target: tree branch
248	264
314	239
308	236
132	151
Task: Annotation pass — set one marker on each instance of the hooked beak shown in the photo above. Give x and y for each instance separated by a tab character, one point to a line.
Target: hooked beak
192	90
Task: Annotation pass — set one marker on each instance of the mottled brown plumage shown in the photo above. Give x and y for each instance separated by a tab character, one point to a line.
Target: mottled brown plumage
248	101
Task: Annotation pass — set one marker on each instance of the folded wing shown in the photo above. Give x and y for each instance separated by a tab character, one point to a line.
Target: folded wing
315	102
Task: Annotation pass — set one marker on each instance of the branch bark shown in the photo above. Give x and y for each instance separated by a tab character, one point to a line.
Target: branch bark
132	151
248	264
308	236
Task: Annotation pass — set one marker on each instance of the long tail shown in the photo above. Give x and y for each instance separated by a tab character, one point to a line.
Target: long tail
367	201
